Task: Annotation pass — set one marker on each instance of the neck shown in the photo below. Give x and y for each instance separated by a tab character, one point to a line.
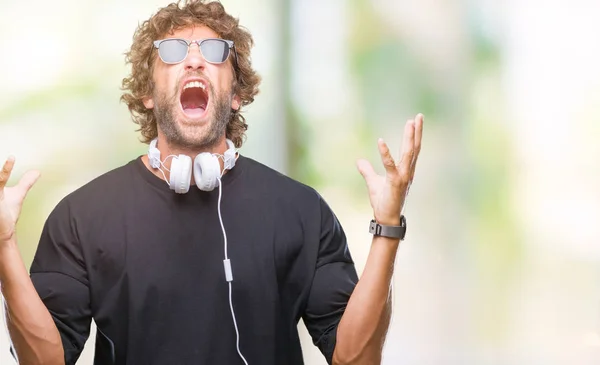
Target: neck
166	149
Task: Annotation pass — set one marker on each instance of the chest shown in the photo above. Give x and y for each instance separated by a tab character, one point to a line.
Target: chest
173	259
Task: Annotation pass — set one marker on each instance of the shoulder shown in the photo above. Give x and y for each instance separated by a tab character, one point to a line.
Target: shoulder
104	189
68	221
285	193
267	180
108	183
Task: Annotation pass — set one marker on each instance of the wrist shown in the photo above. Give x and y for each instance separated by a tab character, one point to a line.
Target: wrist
8	251
396	229
8	244
7	236
388	221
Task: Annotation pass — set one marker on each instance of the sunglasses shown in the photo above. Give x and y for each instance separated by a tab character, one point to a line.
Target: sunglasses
175	50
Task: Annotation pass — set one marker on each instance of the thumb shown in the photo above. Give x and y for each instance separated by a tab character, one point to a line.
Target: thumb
366	169
27	181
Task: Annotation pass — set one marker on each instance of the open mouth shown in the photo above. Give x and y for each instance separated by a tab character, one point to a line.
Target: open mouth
194	99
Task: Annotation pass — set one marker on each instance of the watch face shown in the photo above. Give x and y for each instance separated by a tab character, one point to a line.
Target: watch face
403	225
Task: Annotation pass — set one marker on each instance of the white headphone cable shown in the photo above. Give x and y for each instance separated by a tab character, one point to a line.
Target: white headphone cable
229	274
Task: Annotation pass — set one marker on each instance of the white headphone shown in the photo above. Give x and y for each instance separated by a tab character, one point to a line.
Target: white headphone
206	168
207	174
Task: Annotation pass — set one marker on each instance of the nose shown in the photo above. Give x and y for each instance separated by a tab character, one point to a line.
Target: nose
194	59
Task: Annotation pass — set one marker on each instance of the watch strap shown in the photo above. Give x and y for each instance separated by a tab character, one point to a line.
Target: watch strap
389	231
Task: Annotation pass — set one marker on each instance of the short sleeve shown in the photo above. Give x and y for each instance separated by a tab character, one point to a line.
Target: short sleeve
60	278
334	281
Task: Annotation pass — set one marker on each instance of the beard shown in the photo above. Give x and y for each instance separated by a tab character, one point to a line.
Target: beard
203	137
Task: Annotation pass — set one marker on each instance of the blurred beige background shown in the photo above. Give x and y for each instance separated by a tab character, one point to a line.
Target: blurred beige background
501	264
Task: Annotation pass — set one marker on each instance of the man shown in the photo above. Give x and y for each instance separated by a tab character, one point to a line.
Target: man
193	253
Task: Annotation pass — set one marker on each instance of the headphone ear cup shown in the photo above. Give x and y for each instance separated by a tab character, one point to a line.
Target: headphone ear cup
206	171
181	174
154	154
229	155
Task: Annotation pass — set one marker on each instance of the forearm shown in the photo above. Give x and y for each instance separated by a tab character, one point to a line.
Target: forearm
362	329
31	327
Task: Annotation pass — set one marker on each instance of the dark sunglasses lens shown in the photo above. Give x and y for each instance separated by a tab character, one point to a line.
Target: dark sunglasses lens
215	50
173	50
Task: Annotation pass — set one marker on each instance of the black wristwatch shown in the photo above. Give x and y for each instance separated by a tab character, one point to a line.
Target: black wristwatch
389	231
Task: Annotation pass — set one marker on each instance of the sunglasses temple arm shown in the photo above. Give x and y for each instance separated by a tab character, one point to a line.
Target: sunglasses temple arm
236	66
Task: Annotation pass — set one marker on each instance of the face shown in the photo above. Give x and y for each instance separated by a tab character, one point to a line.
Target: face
193	100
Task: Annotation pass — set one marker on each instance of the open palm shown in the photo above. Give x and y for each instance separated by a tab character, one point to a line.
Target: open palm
11	198
387	192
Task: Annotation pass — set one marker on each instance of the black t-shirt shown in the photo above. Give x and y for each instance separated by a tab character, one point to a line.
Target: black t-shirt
147	265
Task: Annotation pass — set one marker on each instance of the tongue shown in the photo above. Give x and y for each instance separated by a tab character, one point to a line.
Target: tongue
193	106
193	102
194	110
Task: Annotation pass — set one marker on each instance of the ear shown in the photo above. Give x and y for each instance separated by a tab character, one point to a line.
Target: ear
236	102
148	102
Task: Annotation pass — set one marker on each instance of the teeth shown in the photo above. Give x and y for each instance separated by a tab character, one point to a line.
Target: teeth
194	84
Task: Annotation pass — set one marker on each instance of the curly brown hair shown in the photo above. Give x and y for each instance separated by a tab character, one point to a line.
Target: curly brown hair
173	17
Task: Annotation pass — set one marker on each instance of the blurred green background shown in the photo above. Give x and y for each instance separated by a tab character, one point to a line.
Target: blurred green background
501	261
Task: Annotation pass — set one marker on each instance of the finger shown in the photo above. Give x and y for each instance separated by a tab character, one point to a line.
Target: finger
408	150
366	170
418	137
6	170
386	158
418	133
27	181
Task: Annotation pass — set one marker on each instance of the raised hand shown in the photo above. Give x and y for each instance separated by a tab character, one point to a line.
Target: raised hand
11	198
388	193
